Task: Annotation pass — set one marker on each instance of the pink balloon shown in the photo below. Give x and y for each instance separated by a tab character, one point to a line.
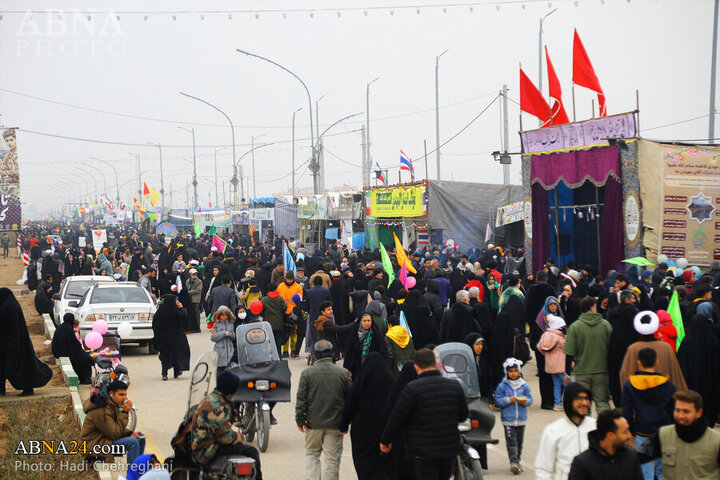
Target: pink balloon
100	327
410	282
93	340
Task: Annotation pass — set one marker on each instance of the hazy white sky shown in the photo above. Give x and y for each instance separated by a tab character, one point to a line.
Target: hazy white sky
136	66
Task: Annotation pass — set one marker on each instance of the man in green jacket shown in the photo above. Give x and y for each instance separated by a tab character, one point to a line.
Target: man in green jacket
318	413
273	312
588	341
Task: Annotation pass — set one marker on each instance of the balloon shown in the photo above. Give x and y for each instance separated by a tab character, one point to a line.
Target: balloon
93	340
681	263
100	327
296	298
124	329
256	307
410	283
695	269
662	258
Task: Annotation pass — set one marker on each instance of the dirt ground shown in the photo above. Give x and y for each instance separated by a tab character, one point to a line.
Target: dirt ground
48	415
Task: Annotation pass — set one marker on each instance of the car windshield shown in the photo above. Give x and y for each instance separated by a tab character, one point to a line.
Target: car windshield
78	288
119	295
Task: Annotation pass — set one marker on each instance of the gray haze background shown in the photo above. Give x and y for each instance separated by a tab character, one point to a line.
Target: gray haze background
138	66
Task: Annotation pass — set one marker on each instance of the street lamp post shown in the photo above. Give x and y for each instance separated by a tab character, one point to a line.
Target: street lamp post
437	113
162	179
313	162
194	182
232	130
217	202
139	177
317	115
117	183
293	151
91	175
540	49
88	164
368	165
252	153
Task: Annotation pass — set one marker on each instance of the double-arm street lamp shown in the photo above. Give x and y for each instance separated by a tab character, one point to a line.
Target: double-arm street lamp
117	183
194	164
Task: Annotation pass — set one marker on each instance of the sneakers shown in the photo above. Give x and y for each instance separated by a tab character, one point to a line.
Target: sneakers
515	469
273	420
285	355
558	408
164	377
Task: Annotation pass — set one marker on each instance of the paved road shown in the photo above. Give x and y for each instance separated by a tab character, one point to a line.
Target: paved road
161	405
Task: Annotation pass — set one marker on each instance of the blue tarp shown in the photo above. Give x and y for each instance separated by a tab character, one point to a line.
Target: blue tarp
331	233
358	240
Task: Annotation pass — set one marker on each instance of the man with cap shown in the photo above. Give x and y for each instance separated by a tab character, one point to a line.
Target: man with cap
646	324
211	432
194	288
566	437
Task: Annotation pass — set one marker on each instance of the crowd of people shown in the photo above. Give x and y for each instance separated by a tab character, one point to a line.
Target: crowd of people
594	337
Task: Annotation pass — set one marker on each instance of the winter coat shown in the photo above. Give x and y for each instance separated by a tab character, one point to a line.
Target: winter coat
321	395
647	402
287	291
551	346
430	409
400	348
104	265
274	308
327	329
588	340
667	362
666	331
103	425
560	443
595	464
224	343
194	287
222	295
512	414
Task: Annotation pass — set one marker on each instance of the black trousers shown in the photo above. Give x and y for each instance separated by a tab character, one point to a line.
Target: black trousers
301	327
241	449
433	469
194	318
547	400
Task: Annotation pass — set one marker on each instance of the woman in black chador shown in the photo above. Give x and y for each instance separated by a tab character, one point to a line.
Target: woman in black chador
170	339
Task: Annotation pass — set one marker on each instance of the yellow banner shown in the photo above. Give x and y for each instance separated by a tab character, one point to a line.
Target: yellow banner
403	201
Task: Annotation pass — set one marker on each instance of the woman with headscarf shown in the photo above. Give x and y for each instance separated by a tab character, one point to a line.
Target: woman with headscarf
362	409
71	266
507	340
481	354
366	339
43	299
18	363
88	266
66	344
569	306
550	308
165	281
699	357
423	329
401	465
170	338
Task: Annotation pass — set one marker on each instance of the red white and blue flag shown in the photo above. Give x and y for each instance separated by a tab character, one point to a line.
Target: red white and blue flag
406	164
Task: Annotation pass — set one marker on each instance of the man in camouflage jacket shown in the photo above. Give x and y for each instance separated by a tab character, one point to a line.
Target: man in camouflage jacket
211	431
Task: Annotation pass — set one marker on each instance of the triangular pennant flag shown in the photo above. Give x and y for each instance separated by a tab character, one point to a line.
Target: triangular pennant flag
379	174
198	229
532	101
151	194
218	243
404	323
387	264
401	256
584	73
488	233
677	320
212	230
558	114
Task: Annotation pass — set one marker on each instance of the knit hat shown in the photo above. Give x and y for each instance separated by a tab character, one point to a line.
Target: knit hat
555	322
512	362
646	322
227	382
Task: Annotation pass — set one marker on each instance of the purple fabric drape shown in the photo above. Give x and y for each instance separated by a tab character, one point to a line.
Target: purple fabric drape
611	228
540	227
574	168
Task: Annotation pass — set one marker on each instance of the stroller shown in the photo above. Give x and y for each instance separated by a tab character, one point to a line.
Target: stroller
108	368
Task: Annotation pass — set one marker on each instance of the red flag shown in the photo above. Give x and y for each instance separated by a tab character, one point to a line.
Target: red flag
532	101
559	117
584	73
146	191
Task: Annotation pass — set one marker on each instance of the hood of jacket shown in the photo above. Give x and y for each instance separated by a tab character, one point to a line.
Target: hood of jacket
399	335
549	340
650	386
318	323
571	392
591	318
273	294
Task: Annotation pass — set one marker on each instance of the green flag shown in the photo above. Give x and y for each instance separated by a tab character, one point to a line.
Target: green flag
387	264
674	311
198	229
212	230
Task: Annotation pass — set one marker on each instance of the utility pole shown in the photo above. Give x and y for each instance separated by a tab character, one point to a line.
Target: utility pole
437	113
713	73
506	135
366	133
216	182
293	148
365	161
540	49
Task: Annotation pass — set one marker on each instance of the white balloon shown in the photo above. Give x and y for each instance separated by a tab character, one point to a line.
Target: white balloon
682	263
124	330
662	258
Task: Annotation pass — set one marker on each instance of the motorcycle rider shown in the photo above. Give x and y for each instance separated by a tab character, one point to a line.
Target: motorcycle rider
211	430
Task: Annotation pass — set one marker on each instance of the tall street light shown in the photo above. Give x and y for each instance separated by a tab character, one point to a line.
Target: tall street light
437	113
117	183
252	151
540	49
249	152
368	165
313	161
317	115
194	164
234	180
162	179
293	150
139	177
91	175
217	202
88	164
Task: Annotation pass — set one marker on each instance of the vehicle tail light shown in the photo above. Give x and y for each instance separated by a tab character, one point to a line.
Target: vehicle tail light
145	317
475	424
244	467
251	384
273	385
90	318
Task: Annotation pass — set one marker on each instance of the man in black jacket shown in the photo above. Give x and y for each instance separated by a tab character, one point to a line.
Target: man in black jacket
430	409
608	456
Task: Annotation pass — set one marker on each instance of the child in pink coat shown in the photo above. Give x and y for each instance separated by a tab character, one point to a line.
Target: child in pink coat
551	346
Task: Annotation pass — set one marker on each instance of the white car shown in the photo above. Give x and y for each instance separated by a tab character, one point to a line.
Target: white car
117	303
72	289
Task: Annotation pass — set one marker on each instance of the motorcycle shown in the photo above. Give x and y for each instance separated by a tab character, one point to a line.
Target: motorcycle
223	467
264	378
456	361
